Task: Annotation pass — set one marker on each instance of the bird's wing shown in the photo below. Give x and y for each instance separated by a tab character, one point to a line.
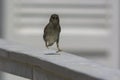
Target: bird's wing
45	31
46	28
59	28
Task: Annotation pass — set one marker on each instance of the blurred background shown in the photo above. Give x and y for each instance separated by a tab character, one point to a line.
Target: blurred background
90	28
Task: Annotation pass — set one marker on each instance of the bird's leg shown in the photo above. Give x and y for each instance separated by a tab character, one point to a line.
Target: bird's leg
57	43
46	44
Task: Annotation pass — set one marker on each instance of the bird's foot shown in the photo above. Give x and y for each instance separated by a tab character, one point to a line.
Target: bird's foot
47	47
59	50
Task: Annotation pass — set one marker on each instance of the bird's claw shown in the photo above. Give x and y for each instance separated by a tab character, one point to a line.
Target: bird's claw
59	50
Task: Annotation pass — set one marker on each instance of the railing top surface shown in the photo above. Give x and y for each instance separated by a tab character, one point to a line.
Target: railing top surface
63	62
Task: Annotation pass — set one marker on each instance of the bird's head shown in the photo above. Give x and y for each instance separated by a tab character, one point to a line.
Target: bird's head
54	19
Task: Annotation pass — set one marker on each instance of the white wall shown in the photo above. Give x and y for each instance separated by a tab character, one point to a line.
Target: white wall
94	37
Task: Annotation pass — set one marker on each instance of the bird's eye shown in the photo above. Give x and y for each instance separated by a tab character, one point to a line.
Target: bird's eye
53	17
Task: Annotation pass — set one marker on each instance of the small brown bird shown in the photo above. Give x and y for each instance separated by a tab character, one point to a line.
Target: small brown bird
52	31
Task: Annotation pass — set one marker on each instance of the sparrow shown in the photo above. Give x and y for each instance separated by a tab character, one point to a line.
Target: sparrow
52	31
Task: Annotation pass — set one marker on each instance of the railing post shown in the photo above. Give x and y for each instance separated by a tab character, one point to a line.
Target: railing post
39	74
1	76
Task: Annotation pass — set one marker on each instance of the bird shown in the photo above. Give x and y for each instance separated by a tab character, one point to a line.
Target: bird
52	32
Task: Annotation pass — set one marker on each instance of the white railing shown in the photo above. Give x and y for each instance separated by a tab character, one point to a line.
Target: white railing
37	64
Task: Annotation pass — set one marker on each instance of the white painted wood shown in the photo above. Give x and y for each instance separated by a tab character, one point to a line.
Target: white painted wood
48	65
